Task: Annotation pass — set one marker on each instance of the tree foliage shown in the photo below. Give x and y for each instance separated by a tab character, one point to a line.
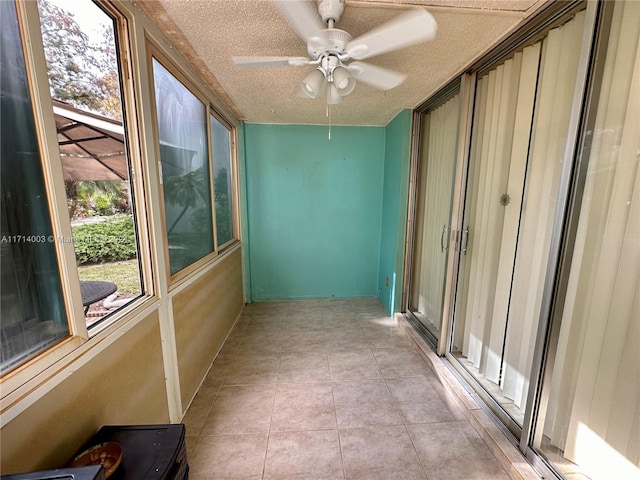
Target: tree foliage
81	73
86	198
224	222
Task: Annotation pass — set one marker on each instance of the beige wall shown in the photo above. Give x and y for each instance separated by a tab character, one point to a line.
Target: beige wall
123	384
127	373
203	315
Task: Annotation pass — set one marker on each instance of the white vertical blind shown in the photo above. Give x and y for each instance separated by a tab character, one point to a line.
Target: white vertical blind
558	71
439	141
499	154
520	131
594	400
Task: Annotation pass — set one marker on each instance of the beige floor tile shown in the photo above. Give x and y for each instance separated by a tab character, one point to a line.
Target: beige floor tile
253	362
251	379
229	456
293	418
237	422
355	393
258	339
341	320
351	359
304	455
454	450
341	344
328	389
190	444
216	375
400	362
303	367
304	341
244	397
199	409
391	341
345	373
379	453
411	389
300	407
365	414
303	323
433	411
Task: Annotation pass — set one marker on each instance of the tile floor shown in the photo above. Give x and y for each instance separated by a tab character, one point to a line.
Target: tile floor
328	390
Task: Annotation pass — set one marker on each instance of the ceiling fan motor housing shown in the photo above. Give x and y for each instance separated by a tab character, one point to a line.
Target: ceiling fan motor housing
330	10
334	41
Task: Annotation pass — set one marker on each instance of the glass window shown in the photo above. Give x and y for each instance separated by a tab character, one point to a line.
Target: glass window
589	426
33	313
79	40
222	174
182	131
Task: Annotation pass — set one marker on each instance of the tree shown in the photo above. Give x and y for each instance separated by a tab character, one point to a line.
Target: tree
81	73
97	197
224	223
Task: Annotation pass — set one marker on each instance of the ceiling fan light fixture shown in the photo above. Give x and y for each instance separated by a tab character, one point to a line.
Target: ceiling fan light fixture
313	83
343	81
333	50
333	96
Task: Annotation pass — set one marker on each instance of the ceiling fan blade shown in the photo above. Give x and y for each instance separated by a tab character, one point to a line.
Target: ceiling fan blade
377	77
304	18
415	26
270	61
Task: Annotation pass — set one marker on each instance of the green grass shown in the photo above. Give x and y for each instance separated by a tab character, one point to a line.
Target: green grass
124	274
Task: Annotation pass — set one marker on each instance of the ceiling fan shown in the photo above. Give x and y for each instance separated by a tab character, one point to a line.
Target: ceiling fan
336	54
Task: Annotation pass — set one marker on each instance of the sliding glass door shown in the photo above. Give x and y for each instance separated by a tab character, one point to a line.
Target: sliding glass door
589	423
435	174
541	279
520	129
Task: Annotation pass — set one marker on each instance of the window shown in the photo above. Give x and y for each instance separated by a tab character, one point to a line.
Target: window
33	311
40	294
222	174
182	132
81	53
196	174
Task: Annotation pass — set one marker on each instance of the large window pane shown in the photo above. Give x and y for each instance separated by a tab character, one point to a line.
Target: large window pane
32	315
590	420
182	130
83	71
221	147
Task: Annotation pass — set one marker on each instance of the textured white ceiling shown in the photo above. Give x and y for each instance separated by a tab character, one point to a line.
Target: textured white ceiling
211	32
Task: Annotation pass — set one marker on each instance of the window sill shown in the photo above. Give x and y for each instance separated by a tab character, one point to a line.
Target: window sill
28	383
179	283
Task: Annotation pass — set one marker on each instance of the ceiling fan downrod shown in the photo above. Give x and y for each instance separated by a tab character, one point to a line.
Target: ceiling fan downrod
330	11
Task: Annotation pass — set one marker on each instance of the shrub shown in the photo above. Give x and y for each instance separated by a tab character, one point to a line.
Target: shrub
107	241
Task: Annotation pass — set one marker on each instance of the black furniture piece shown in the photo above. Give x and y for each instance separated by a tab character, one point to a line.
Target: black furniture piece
93	291
94	472
149	452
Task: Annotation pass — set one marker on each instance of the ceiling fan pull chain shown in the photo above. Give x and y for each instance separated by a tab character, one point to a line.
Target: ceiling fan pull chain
329	111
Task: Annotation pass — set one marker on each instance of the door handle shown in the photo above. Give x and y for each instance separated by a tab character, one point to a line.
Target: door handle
444	247
464	242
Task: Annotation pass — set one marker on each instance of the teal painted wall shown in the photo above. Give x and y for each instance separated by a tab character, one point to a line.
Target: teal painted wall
313	214
397	162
